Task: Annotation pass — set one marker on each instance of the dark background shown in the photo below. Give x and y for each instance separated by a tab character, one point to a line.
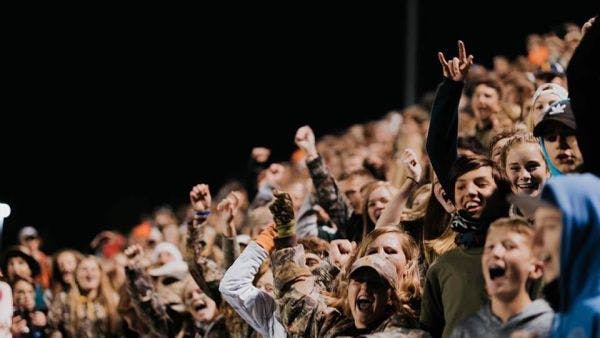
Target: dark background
104	121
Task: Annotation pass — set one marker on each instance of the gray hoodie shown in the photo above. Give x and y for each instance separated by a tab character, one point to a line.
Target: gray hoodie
535	318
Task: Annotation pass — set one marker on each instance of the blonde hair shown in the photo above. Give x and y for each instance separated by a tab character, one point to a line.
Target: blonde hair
514	224
106	297
434	248
366	192
413	213
518	139
408	295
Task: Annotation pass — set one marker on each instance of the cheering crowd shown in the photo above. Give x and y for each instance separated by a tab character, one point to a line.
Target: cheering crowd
473	214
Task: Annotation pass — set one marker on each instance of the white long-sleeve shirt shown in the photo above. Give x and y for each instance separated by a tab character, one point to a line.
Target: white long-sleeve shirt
255	306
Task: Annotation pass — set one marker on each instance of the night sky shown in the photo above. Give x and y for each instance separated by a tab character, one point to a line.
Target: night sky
105	124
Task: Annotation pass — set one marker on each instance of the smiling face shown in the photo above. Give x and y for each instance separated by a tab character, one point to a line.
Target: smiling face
548	234
88	275
202	307
526	168
377	201
24	295
17	266
368	297
508	263
473	189
389	245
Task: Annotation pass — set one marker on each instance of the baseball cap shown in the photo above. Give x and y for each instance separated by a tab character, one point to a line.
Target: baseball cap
381	265
560	112
27	232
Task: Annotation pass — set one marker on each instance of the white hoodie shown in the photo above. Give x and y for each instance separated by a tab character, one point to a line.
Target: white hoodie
255	306
6	310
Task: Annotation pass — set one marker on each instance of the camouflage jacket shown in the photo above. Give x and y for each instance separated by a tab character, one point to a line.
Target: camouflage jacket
303	310
206	272
331	199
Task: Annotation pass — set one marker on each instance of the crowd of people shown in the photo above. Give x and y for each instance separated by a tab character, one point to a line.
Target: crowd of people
474	214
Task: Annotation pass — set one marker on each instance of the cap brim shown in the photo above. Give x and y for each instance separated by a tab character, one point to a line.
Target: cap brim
527	204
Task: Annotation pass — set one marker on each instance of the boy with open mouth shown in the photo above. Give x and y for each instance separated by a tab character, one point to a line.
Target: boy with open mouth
509	266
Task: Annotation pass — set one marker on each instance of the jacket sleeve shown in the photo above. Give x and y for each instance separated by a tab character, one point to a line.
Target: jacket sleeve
442	138
205	272
328	194
255	306
301	308
583	75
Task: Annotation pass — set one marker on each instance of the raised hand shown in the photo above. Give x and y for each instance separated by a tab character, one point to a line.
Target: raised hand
340	251
586	26
305	140
410	161
200	197
261	154
134	254
458	67
282	208
228	207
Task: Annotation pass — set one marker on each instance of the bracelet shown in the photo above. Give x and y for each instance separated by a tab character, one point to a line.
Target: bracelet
203	213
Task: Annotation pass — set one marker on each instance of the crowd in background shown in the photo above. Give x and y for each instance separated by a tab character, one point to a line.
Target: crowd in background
473	214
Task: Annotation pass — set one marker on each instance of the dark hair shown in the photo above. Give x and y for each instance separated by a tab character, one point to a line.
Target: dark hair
315	245
497	205
471	143
489	82
464	164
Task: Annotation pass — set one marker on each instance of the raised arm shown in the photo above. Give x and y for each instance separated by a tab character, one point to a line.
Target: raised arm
255	306
442	137
393	211
328	193
227	208
301	308
205	272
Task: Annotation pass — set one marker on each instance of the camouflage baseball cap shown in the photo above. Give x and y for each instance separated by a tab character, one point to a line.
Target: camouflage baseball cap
381	265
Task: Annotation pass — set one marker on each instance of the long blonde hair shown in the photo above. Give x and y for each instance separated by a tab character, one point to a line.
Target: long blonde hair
408	295
106	297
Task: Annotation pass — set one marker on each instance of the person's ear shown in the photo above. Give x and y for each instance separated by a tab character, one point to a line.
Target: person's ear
536	268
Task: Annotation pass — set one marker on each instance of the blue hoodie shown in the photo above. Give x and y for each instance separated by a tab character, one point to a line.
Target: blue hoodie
578	198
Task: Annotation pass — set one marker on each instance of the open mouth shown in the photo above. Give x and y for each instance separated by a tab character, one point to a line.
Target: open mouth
496	272
199	307
528	186
364	304
565	159
473	206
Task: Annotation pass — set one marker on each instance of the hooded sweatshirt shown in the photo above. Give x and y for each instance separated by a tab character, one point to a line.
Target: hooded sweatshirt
535	318
578	198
